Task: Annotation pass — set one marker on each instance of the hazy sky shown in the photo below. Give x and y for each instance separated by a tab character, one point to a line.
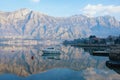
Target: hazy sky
65	7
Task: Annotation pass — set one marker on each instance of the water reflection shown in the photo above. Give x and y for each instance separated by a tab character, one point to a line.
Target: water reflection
18	60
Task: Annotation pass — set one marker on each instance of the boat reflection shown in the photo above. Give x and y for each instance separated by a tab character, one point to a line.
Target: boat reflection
51	56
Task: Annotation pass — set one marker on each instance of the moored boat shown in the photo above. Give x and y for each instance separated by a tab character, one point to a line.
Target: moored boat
113	64
100	53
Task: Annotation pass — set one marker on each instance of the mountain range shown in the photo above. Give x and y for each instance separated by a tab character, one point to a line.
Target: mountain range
32	24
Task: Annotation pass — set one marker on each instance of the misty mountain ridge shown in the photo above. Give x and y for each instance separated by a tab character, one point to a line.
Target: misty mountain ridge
36	25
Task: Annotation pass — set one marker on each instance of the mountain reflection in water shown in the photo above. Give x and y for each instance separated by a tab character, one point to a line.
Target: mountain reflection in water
17	60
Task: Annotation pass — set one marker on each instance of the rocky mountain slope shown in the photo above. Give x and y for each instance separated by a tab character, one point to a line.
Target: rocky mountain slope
32	24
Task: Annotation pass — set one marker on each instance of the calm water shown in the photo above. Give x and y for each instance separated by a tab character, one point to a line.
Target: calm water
28	63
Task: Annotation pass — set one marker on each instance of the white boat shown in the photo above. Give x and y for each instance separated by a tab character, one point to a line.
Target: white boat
51	51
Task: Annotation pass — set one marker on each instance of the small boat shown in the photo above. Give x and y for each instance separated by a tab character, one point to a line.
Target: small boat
51	51
113	64
101	53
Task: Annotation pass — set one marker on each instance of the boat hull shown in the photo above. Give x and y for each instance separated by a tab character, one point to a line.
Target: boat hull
51	52
113	64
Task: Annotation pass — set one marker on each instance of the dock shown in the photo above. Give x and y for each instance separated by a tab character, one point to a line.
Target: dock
90	45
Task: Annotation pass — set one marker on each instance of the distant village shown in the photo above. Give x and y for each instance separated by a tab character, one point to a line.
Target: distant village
110	40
